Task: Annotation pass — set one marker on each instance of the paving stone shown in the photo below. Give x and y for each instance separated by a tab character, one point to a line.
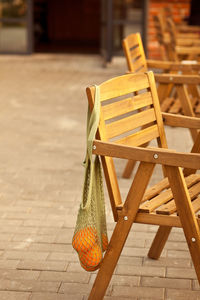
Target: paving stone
182	294
180	254
24	216
130	260
144	292
29	285
119	298
175	236
51	247
8	264
130	251
75	267
121	280
26	255
19	274
18	230
75	288
42	223
142	252
15	245
4	295
171	245
6	237
166	261
42	265
166	282
69	257
181	273
54	296
140	270
195	285
65	277
49	239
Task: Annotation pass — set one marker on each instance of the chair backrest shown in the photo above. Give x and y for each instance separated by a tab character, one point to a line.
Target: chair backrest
166	35
159	25
130	115
171	29
134	53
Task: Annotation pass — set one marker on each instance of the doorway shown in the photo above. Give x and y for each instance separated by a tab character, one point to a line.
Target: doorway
15	26
66	26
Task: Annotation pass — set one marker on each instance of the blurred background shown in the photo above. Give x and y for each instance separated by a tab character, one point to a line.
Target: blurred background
81	26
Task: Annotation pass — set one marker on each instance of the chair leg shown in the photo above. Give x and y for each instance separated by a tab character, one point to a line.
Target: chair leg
186	106
121	231
159	242
186	214
110	260
128	169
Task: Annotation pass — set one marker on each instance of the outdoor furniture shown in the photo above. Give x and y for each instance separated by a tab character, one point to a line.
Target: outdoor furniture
175	46
182	26
177	93
137	62
184	47
128	103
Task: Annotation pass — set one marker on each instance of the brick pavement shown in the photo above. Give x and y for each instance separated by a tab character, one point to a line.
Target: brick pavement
42	142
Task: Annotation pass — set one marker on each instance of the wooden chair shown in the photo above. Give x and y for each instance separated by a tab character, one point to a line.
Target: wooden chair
137	61
171	87
182	25
174	201
177	46
165	38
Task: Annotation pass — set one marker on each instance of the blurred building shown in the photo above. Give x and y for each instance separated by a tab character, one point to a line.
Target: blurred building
180	10
84	26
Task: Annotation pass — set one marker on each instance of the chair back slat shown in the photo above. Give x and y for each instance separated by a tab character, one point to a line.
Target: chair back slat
123	85
139	65
126	124
165	33
126	105
141	137
160	27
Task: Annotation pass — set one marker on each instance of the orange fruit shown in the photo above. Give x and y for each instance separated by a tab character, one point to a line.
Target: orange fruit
91	259
84	239
90	269
104	241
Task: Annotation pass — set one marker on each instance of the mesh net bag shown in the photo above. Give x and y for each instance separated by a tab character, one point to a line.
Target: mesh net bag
90	236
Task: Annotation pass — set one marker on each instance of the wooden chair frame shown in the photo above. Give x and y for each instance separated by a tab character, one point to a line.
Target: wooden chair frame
188	102
177	46
174	44
137	61
182	27
133	209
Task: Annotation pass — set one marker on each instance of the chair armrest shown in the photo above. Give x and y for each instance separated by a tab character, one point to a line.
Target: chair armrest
181	121
182	42
159	64
188	35
184	66
188	28
188	50
151	155
177	78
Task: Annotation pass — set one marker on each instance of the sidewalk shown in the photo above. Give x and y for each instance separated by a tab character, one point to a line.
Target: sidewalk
43	109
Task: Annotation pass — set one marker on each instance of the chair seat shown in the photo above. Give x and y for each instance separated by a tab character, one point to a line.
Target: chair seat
159	199
173	106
